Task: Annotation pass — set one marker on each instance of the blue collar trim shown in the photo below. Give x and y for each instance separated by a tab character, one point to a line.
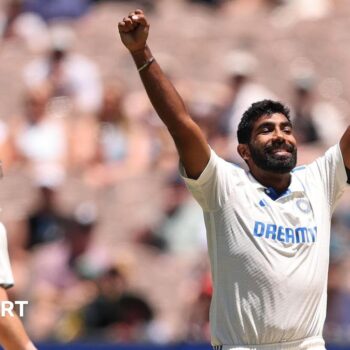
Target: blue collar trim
273	194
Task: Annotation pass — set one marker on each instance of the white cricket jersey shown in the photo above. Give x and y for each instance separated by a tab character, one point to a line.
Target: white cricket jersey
6	278
269	258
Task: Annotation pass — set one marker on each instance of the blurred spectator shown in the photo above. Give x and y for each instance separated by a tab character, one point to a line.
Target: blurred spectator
293	11
309	114
57	9
116	313
40	138
12	10
7	151
71	75
338	321
198	328
304	125
146	5
61	271
244	7
45	224
119	146
208	107
241	66
213	3
182	228
63	262
114	126
338	316
29	27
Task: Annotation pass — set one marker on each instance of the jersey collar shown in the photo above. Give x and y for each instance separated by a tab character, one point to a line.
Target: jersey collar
295	186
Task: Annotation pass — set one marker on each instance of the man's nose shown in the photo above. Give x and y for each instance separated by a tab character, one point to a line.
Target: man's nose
278	134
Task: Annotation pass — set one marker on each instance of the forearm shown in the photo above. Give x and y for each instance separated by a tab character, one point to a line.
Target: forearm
13	335
161	92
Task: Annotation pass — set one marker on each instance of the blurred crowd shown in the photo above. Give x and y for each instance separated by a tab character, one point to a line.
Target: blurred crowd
105	241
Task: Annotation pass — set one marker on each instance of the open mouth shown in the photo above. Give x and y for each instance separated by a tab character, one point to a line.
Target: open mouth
281	152
280	149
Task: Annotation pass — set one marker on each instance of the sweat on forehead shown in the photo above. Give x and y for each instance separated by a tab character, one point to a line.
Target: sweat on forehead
256	111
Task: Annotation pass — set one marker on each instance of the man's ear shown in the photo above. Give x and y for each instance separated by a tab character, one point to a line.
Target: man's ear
243	151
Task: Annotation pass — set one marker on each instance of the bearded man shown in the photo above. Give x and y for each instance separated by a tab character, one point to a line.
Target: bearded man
268	228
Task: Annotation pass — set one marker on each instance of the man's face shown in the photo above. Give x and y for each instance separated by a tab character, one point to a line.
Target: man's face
272	145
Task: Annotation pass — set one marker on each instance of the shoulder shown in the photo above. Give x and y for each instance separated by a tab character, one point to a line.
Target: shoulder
302	173
228	167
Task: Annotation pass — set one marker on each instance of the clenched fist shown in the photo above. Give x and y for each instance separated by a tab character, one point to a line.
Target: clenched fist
133	31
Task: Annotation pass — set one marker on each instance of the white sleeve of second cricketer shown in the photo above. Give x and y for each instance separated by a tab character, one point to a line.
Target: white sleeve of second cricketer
215	184
6	277
330	170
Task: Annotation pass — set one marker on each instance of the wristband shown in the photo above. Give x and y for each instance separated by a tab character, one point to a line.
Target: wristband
145	65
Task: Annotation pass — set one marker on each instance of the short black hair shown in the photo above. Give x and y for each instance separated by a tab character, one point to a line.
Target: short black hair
254	112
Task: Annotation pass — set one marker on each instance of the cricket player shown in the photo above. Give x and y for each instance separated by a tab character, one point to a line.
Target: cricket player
12	333
268	228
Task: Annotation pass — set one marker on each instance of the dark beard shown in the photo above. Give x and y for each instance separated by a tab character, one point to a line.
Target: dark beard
265	159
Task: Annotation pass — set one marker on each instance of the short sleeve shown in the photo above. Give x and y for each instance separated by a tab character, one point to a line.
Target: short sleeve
6	277
215	184
330	169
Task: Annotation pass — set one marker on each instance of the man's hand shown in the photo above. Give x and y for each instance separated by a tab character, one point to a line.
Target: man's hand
133	31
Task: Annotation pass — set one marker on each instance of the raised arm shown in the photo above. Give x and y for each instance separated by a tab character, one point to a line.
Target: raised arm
190	142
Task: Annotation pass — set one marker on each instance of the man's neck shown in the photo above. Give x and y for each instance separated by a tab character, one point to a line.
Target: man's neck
279	182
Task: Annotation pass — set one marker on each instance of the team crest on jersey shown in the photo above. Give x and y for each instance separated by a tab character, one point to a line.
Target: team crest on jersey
303	205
